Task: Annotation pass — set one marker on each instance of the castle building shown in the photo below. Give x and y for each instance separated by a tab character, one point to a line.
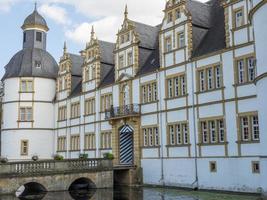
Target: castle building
184	101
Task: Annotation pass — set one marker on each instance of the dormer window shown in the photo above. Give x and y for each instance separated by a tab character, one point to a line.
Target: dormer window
181	40
121	61
122	39
168	44
177	14
169	17
127	37
39	36
239	18
130	58
38	64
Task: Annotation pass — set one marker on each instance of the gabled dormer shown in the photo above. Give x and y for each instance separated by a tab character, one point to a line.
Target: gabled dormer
98	62
64	75
237	27
136	42
126	49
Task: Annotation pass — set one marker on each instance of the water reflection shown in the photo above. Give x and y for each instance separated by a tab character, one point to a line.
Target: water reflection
137	194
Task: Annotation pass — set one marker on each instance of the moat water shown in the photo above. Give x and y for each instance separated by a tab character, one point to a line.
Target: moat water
137	194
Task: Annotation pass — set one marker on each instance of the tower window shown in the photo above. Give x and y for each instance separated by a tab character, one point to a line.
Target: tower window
24	37
38	64
39	36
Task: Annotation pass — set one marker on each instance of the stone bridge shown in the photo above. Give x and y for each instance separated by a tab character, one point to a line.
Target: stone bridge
50	175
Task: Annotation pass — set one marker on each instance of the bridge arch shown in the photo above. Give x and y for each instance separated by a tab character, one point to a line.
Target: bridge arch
81	183
31	188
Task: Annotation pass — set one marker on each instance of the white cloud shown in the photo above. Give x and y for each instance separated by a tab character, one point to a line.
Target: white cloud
56	13
107	16
5	5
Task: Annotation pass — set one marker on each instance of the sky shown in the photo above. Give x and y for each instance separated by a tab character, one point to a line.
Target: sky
71	21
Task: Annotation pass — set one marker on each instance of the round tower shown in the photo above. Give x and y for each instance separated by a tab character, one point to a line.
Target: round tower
258	17
29	91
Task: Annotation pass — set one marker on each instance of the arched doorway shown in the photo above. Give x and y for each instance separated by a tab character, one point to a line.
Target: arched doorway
126	145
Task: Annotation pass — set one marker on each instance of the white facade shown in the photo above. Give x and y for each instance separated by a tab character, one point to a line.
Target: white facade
220	121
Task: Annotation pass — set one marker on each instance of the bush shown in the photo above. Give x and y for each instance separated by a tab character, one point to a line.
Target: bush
3	160
109	156
58	157
83	156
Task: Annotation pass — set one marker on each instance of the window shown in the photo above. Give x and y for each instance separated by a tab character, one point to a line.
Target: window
180	40
121	61
168	44
89	106
75	110
239	18
62	113
169	17
26	114
246	70
38	64
74	143
130	58
24	37
61	143
122	39
106	140
212	131
38	36
210	78
127	37
177	13
176	86
255	167
24	147
151	137
149	92
213	166
249	127
106	102
26	86
89	141
178	134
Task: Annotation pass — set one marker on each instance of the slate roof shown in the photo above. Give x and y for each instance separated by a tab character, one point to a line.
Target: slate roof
22	64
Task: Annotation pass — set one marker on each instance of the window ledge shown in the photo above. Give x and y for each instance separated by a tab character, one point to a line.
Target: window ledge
248	142
150	147
178	97
74	150
243	84
23	121
178	145
90	149
212	90
240	27
61	151
212	144
26	92
63	120
173	50
151	102
75	118
101	149
87	115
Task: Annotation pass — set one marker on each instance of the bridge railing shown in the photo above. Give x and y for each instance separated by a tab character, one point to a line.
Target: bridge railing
52	166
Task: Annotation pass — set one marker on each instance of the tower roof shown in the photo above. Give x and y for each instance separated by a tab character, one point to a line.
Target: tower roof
35	20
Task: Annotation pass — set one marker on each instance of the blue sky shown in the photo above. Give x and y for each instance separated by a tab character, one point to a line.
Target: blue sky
71	21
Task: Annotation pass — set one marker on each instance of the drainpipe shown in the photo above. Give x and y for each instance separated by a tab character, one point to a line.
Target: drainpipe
161	133
195	183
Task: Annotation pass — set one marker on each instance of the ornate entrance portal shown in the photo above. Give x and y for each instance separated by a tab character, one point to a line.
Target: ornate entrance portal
126	145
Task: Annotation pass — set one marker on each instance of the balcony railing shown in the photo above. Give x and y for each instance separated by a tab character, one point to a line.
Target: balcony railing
122	111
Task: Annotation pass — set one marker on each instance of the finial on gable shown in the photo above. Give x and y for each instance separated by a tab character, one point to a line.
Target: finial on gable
93	32
126	12
65	48
35	6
